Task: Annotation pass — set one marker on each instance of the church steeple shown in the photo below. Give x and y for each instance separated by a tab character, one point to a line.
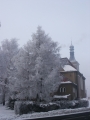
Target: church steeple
72	58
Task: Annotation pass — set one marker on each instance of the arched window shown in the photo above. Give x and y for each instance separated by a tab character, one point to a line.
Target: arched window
61	89
64	89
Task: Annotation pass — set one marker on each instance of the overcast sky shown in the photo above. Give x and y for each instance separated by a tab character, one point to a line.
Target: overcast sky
63	20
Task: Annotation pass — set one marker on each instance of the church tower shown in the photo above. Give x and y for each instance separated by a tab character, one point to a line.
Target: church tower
72	58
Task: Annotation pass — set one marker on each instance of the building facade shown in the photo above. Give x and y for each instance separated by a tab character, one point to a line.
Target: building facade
73	82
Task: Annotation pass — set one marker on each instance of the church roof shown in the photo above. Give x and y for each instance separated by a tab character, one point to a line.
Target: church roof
69	68
65	61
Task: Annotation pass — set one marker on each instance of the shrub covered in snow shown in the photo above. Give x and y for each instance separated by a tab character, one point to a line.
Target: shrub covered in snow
17	107
73	104
24	107
10	103
79	103
48	107
82	103
64	104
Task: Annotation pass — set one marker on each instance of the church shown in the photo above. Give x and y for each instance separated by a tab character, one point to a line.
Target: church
72	86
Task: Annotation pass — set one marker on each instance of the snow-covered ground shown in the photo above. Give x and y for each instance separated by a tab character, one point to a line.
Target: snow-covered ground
7	114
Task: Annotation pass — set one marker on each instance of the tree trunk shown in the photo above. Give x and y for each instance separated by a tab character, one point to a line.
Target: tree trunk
3	102
3	99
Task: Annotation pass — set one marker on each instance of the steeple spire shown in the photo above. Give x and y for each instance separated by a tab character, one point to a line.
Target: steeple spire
72	58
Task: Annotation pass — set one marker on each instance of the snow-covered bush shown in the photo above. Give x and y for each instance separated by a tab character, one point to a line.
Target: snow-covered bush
24	107
83	103
44	107
10	103
64	104
73	104
17	107
53	106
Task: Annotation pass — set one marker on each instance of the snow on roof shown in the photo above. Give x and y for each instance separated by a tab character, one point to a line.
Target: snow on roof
69	68
66	82
58	96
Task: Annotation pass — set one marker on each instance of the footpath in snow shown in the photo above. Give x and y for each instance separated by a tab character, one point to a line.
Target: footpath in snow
7	114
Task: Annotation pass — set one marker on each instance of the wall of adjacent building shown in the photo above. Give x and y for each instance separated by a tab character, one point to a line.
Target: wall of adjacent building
81	87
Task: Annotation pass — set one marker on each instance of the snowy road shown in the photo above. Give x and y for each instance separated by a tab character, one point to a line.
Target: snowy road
7	114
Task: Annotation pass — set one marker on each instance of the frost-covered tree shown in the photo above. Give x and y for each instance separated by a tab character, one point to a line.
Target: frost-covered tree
9	48
25	83
38	65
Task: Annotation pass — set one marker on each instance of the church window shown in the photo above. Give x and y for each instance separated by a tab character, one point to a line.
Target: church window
64	89
61	89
